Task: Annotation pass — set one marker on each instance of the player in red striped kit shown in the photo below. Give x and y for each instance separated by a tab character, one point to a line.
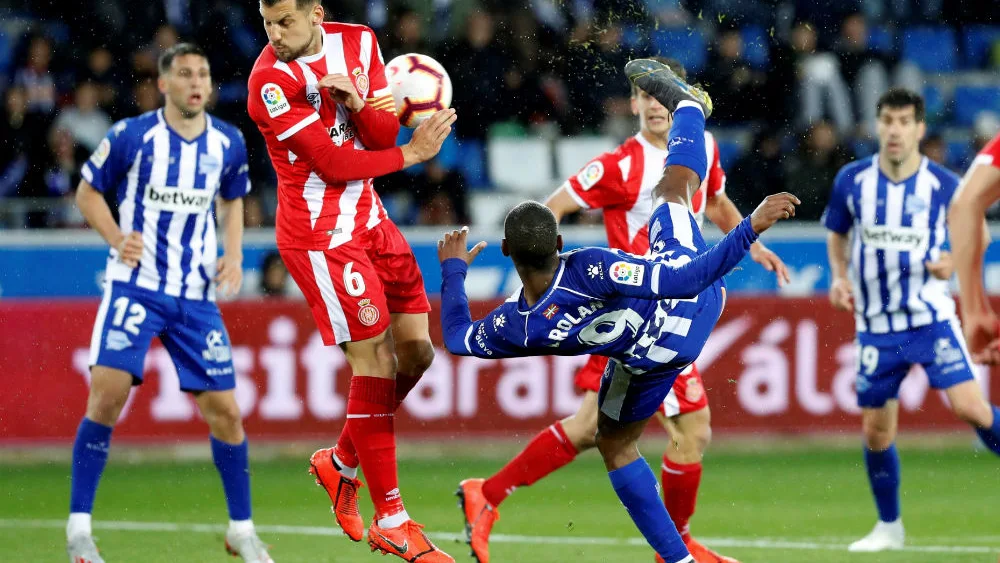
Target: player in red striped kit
319	96
621	183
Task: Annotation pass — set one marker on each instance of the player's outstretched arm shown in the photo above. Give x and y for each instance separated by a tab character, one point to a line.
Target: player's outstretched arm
685	278
969	238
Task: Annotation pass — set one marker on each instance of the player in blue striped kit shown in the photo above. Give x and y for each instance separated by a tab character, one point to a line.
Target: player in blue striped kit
651	316
887	246
167	167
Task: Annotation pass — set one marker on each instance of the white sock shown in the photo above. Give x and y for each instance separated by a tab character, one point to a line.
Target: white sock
394	521
346	470
689	104
241	527
78	525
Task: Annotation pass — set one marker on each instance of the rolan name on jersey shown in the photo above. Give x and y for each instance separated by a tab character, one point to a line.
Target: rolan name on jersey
568	321
895	238
341	133
178	200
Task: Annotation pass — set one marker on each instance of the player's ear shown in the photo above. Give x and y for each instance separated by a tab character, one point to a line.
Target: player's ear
634	102
161	84
559	243
503	247
921	130
318	14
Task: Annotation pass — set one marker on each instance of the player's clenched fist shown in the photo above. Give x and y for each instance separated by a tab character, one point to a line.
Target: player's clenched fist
841	296
428	137
773	209
453	245
130	249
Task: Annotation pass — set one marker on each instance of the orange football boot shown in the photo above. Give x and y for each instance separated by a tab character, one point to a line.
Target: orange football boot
479	517
407	542
343	493
702	554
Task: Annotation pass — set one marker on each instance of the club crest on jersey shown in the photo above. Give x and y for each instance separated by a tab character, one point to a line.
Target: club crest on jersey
368	314
361	81
915	205
207	164
274	99
626	273
101	154
591	175
551	311
216	348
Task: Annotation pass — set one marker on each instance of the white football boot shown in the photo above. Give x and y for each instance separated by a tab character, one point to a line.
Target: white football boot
81	549
247	546
884	537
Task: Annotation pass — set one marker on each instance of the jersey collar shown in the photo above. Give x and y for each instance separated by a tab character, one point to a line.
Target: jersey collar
522	305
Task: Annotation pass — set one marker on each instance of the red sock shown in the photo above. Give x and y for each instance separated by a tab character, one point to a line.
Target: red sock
370	423
680	492
404	384
548	451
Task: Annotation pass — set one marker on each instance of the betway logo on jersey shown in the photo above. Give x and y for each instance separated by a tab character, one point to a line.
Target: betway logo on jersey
177	200
907	239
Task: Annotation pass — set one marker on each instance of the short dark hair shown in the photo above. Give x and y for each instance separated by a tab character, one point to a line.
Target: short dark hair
299	4
674	65
899	98
178	50
531	233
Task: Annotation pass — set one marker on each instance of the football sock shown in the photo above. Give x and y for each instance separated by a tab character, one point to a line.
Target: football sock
635	485
90	454
344	453
232	461
547	452
883	474
370	406
680	492
991	436
686	140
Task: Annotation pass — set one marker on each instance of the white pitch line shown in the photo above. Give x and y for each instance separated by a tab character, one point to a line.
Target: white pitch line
750	543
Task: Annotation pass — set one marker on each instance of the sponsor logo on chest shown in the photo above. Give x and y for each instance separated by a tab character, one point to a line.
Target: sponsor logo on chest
177	200
904	239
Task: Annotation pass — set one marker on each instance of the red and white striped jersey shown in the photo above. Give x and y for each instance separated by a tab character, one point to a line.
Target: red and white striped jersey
621	183
325	156
990	154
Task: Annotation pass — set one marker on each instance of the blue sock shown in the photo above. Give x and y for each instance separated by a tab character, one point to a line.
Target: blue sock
90	454
991	436
638	490
883	474
234	468
686	141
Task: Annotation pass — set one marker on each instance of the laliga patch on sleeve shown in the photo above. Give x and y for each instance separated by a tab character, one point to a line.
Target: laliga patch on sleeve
591	175
626	273
274	99
101	154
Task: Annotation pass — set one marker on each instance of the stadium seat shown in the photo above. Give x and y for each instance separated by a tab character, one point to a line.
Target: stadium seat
977	45
729	153
933	49
520	165
934	103
881	39
687	45
634	37
472	163
970	100
959	154
572	153
756	46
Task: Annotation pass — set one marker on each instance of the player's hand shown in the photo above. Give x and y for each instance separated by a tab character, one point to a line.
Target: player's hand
982	336
454	245
428	137
773	209
229	274
130	249
841	295
943	268
767	258
342	90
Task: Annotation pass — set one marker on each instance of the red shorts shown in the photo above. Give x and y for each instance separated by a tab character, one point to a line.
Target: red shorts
686	395
352	289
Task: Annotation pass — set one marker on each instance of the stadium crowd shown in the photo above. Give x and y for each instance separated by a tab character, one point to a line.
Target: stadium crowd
795	84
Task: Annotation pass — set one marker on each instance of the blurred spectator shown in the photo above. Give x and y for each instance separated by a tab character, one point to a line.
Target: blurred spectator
758	173
22	136
811	169
935	148
36	78
273	276
867	70
736	87
593	76
405	36
84	120
105	76
440	195
146	96
144	61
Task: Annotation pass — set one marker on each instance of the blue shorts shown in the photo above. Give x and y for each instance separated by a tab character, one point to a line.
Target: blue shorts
885	359
191	331
627	397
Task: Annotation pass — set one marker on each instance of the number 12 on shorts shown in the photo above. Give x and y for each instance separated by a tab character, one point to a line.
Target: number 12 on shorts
136	314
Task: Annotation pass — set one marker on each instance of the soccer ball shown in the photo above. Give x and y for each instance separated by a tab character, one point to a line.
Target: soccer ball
420	86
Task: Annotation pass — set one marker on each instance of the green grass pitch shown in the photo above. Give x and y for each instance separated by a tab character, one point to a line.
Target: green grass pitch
778	505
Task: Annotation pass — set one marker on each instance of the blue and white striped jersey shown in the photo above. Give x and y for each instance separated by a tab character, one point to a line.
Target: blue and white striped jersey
166	188
897	228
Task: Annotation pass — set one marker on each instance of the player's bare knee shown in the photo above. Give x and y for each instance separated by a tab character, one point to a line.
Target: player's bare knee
225	421
974	412
415	357
581	429
104	405
878	439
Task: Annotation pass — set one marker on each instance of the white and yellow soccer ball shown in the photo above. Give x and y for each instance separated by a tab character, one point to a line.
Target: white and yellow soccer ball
420	86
